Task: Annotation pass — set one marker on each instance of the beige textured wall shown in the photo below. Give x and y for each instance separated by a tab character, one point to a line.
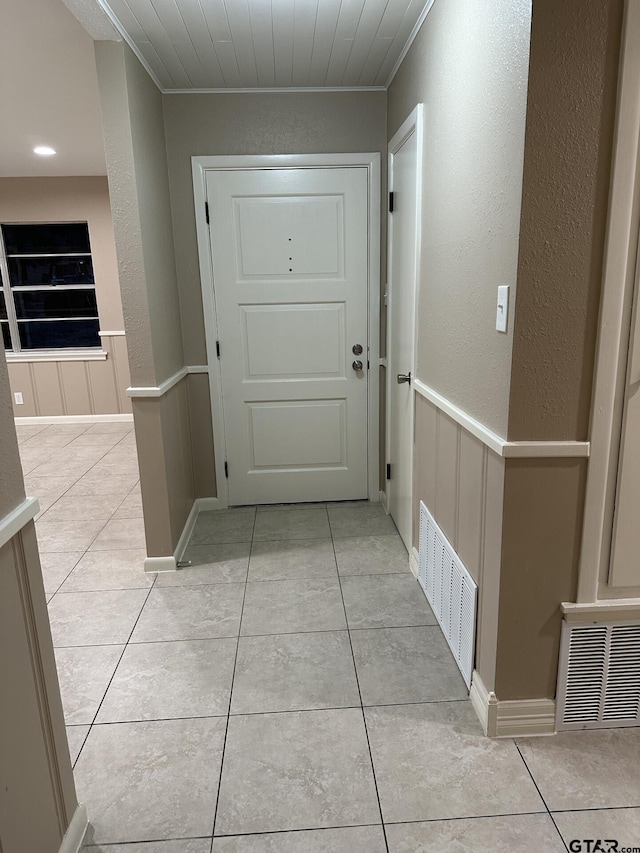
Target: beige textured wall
253	124
543	500
138	184
468	65
139	188
11	482
69	200
461	482
575	48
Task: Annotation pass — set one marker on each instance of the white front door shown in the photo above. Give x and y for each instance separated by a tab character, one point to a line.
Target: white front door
290	269
404	181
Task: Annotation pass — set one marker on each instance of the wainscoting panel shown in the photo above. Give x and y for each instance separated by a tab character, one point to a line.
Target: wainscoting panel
92	387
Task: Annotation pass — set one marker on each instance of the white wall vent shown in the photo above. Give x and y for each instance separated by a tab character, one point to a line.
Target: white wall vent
599	675
450	590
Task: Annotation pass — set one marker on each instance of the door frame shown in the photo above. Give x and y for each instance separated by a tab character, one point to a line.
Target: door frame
199	167
414	123
620	273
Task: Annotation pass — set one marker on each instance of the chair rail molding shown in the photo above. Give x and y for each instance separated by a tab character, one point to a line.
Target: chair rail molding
499	445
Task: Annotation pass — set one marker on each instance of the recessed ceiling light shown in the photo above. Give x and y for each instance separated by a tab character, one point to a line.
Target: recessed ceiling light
44	150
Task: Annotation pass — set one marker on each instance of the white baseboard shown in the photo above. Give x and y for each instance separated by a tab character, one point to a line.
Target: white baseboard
485	704
526	717
160	564
74	836
75	419
170	564
383	501
414	562
511	718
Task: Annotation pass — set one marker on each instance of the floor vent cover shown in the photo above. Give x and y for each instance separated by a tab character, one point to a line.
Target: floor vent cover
599	675
450	591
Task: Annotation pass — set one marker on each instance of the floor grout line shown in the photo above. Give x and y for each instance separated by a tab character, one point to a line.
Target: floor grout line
233	676
544	802
364	719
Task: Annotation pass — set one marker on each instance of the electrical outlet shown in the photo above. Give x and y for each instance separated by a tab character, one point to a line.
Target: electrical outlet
18	398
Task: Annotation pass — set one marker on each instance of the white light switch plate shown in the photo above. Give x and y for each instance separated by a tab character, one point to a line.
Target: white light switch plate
503	308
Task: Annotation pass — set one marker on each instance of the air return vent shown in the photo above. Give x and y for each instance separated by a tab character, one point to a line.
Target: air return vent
599	675
450	591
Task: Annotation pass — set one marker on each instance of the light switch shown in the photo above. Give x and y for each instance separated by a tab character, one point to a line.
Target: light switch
503	308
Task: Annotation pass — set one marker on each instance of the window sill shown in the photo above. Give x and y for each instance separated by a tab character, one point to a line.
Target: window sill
57	355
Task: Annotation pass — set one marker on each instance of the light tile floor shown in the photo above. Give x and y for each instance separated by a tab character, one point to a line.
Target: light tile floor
289	692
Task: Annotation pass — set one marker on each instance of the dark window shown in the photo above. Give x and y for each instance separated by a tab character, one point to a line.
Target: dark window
47	300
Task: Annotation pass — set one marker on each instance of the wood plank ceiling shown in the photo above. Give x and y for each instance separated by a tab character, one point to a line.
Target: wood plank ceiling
266	44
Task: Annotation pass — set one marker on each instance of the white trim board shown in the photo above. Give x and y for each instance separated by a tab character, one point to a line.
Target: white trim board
609	610
168	384
504	448
74	836
112	334
13	523
170	563
199	168
511	718
619	274
124	417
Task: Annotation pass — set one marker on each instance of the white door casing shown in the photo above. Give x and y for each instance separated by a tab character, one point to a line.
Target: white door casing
295	423
405	181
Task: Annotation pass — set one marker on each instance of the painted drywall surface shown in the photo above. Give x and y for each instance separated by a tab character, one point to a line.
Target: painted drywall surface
204	465
152	185
11	480
468	65
294	123
575	48
72	200
542	526
163	440
116	120
37	794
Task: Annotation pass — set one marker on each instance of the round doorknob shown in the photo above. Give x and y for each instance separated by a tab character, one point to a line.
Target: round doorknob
403	377
357	365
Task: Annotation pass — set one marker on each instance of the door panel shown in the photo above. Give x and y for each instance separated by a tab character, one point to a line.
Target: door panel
290	266
402	310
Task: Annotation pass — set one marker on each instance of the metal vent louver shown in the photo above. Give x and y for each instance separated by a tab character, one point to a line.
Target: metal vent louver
450	591
599	676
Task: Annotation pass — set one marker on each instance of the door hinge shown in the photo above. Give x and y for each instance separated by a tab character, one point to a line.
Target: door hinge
218	349
206	210
226	469
390	203
388	470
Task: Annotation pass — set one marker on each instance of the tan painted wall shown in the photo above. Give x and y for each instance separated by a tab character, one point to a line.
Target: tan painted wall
68	200
163	437
62	387
11	483
468	65
575	49
461	482
543	500
37	794
253	124
139	188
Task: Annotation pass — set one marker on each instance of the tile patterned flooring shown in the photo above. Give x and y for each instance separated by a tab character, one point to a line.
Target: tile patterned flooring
289	692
